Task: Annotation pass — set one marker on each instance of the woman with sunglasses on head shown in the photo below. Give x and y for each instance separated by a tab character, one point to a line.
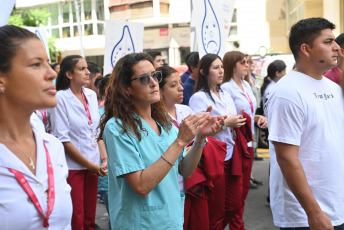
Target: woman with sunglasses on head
235	66
74	122
34	193
208	92
145	151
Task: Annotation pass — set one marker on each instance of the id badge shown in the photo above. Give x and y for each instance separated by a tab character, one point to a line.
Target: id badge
94	140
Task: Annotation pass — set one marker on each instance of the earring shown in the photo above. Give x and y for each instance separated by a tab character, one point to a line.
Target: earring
2	90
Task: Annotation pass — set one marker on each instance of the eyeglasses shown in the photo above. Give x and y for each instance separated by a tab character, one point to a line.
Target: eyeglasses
244	62
144	79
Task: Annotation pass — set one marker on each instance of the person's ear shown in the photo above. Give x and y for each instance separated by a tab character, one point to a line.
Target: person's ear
69	75
305	49
2	82
201	71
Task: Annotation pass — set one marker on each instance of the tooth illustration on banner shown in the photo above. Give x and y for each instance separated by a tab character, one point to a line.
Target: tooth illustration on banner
40	37
124	46
211	34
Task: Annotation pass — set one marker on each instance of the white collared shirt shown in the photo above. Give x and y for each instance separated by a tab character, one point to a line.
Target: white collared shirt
69	123
16	211
241	98
200	101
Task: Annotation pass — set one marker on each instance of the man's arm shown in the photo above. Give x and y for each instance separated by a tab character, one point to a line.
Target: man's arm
294	175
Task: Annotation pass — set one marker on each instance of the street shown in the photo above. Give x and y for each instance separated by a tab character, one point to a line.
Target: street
257	215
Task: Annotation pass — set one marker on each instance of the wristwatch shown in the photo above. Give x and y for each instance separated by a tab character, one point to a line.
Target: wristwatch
201	145
224	126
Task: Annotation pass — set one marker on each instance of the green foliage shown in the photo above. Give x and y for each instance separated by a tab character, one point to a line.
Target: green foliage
34	18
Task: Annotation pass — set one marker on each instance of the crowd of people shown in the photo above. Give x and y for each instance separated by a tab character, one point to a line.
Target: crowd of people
169	151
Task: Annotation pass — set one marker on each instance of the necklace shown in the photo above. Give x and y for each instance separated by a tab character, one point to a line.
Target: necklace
32	165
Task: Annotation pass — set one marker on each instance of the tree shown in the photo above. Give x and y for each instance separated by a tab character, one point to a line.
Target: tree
34	18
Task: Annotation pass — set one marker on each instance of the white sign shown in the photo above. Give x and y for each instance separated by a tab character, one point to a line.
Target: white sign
211	23
121	38
41	35
6	10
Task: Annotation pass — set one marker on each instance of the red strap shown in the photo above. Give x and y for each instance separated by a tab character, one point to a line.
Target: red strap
44	115
86	107
51	190
175	124
250	101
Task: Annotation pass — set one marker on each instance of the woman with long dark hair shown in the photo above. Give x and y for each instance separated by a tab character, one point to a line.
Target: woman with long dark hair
145	151
74	122
34	193
207	93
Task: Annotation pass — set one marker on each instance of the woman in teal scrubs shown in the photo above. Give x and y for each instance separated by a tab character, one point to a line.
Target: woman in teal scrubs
145	153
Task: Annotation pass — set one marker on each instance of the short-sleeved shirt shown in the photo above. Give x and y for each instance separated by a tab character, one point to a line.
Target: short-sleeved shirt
200	101
163	208
308	113
70	123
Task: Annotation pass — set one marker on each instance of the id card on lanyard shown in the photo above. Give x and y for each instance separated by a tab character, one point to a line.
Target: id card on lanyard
90	122
51	189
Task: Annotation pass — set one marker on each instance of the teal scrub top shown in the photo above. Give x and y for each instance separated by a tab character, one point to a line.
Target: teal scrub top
102	181
163	208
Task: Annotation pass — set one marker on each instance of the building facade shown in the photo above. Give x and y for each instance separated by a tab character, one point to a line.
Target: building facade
258	26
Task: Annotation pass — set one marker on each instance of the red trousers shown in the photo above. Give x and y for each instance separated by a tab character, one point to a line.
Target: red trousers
195	213
236	192
84	198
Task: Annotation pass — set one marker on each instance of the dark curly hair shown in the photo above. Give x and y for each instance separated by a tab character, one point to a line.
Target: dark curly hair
119	105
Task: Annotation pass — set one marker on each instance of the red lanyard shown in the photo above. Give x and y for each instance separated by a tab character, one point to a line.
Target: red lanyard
44	115
249	101
86	107
51	190
175	123
101	104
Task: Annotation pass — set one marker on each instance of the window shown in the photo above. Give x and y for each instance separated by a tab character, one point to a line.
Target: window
66	32
66	10
88	29
100	10
54	14
55	32
88	9
100	28
295	12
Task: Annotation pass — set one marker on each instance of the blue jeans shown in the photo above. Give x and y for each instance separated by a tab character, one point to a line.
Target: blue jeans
339	227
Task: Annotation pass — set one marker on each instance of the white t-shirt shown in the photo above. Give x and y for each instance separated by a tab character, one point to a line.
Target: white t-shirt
200	101
16	211
69	123
182	112
242	98
308	113
268	90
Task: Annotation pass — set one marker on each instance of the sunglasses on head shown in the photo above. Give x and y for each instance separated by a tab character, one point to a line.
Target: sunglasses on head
145	79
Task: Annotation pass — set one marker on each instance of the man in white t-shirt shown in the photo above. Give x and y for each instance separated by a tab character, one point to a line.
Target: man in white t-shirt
305	115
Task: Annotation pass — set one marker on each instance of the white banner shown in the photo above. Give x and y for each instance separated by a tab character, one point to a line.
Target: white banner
211	20
121	38
6	10
41	33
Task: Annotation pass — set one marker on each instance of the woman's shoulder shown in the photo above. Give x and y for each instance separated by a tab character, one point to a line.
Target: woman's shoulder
113	126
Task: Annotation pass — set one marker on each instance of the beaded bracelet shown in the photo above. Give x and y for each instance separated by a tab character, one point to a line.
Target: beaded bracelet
167	160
